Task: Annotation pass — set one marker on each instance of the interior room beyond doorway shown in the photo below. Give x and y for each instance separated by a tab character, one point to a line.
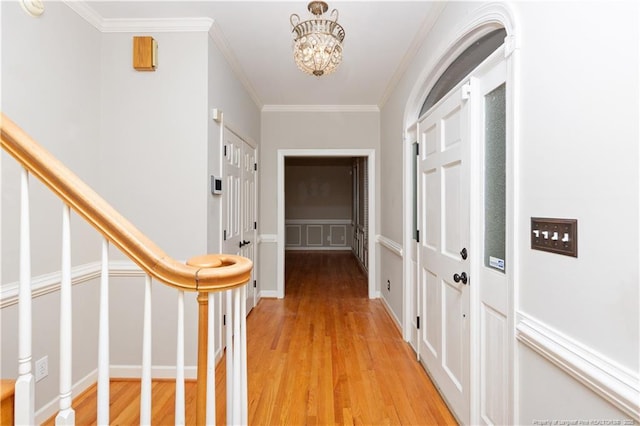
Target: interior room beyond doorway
326	205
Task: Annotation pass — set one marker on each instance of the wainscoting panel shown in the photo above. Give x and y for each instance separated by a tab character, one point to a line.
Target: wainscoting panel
318	234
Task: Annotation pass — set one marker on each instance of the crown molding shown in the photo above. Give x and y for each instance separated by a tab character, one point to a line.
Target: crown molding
160	25
414	48
221	42
86	12
320	108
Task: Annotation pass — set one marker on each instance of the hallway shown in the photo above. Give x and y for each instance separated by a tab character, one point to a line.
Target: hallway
326	354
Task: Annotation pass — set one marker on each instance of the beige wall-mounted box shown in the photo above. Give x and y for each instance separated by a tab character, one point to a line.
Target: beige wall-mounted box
145	53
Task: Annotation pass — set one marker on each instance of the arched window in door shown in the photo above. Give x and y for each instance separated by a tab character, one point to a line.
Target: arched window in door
463	65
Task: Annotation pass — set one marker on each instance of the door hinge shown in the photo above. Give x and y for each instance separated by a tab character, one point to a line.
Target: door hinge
224	319
255	284
417	148
225	150
466	91
417	235
255	166
224	235
418	323
255	225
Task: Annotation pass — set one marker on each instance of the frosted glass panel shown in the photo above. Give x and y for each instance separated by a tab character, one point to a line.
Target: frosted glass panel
495	179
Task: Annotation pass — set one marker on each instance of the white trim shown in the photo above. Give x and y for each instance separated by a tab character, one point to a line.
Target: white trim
157	371
392	314
416	44
268	294
267	238
318	248
317	222
320	108
221	42
608	379
86	12
390	245
372	252
50	283
156	25
50	408
314	244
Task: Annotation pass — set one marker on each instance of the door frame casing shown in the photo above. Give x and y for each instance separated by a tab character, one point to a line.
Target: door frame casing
280	243
480	22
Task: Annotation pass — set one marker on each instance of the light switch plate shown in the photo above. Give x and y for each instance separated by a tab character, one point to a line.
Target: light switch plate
558	236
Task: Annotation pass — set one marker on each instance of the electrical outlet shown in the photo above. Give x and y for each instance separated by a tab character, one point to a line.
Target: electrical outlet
42	368
388	285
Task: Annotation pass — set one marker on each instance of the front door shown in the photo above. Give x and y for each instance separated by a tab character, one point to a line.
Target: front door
443	250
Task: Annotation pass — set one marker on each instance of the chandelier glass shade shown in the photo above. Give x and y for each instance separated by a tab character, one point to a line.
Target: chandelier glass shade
317	46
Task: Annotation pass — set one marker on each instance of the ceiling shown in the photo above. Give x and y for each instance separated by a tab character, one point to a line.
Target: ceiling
381	37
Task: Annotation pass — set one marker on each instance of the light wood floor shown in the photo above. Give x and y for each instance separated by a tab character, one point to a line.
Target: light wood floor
325	354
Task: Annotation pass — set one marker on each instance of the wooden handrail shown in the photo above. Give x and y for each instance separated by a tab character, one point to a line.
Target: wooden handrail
224	272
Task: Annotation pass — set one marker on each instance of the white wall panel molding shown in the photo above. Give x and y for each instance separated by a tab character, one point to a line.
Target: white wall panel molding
390	245
319	248
318	222
267	238
49	283
605	377
320	108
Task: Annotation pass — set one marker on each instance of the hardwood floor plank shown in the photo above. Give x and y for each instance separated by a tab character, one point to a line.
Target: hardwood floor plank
325	354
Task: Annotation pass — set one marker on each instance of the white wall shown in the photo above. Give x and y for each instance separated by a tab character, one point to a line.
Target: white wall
578	158
51	88
303	130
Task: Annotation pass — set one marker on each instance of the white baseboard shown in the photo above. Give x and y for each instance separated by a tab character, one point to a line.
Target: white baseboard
605	377
393	316
269	294
157	371
51	407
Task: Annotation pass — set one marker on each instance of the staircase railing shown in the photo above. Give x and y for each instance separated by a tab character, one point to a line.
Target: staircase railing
203	274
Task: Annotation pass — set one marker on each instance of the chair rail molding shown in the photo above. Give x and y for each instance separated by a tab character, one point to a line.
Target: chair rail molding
608	379
389	244
50	282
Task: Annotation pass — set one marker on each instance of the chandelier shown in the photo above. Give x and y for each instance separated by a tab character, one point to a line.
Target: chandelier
317	47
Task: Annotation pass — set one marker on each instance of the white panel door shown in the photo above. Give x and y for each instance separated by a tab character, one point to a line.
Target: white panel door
248	214
239	205
443	212
232	196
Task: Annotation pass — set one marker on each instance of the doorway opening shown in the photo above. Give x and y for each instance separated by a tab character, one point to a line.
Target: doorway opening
326	202
326	206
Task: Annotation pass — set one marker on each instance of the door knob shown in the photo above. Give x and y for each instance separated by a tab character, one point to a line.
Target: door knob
462	277
244	243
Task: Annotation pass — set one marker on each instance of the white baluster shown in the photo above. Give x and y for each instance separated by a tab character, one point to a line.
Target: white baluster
66	415
25	384
180	405
145	384
210	415
103	339
237	388
243	357
229	354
